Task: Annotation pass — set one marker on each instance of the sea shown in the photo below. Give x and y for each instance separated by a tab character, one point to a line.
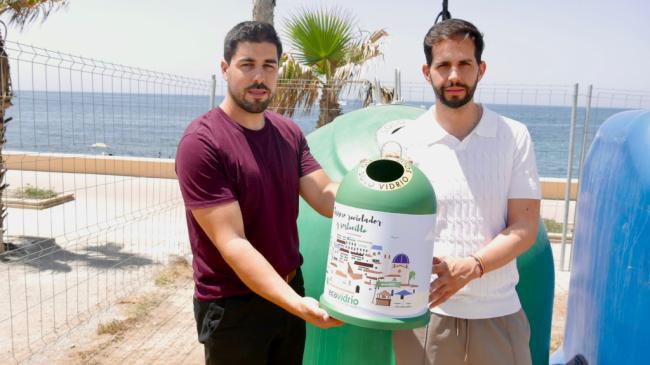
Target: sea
148	125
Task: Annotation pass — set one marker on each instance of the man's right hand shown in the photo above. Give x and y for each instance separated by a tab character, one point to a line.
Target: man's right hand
309	310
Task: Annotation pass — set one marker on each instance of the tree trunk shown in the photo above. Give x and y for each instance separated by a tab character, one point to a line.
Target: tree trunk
5	102
329	105
263	10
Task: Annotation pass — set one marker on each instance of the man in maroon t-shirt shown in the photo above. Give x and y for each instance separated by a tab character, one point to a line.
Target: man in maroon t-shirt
241	169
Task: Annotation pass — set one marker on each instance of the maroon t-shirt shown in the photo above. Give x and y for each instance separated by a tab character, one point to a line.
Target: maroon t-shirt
219	161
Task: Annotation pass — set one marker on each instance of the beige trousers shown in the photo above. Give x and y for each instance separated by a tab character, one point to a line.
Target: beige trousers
450	341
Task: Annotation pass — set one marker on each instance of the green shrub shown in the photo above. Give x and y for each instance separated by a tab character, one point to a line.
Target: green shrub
34	192
552	226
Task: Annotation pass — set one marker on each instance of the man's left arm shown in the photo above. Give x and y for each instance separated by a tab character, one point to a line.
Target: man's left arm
319	192
518	236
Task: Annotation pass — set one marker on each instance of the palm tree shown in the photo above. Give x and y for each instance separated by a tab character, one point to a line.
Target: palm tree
20	13
263	10
327	54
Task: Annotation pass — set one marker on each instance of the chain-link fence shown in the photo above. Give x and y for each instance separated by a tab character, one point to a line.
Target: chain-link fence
85	227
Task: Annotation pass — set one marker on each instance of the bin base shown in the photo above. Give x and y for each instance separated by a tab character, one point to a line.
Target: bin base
378	323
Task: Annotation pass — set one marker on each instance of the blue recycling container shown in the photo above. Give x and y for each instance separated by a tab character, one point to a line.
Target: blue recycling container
608	317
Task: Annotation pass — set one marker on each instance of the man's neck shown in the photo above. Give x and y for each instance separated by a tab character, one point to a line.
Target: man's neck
458	122
253	121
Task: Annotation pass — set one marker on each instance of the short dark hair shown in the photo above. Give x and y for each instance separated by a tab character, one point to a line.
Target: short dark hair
453	28
250	31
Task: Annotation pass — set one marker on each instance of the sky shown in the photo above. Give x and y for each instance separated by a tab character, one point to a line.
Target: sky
545	42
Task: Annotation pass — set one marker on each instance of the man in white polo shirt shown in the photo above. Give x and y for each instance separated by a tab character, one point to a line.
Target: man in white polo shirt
482	167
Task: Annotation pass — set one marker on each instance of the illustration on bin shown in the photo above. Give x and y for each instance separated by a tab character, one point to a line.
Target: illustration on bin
381	246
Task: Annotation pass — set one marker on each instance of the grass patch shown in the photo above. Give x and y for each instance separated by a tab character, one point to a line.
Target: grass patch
178	269
115	326
34	192
139	308
552	225
145	305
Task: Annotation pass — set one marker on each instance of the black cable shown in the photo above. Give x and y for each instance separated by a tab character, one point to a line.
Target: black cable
444	14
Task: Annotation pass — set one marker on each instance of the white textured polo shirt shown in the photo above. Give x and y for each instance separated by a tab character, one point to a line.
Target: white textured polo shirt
473	180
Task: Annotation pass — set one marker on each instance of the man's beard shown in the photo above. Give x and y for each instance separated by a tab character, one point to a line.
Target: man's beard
252	106
456	103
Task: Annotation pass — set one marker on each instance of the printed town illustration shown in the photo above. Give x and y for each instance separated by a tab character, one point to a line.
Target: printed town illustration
365	269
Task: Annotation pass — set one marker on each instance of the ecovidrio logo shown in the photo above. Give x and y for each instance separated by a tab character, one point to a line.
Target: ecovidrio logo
346	298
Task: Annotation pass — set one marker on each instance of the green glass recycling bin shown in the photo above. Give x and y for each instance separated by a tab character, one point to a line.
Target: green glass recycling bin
381	247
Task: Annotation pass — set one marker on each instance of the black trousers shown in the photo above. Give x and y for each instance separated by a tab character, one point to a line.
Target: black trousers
249	330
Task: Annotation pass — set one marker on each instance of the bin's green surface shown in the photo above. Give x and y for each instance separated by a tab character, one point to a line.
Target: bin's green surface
339	147
535	289
415	197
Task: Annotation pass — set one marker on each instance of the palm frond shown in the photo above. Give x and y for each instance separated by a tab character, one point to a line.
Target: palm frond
21	12
331	55
366	47
344	73
297	89
362	50
320	38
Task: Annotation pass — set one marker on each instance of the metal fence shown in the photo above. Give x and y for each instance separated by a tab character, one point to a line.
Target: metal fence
117	219
101	136
591	108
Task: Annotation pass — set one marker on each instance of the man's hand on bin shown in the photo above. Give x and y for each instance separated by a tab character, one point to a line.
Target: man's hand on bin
309	310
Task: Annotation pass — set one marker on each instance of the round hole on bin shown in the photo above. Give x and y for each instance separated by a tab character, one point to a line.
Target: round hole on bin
385	170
